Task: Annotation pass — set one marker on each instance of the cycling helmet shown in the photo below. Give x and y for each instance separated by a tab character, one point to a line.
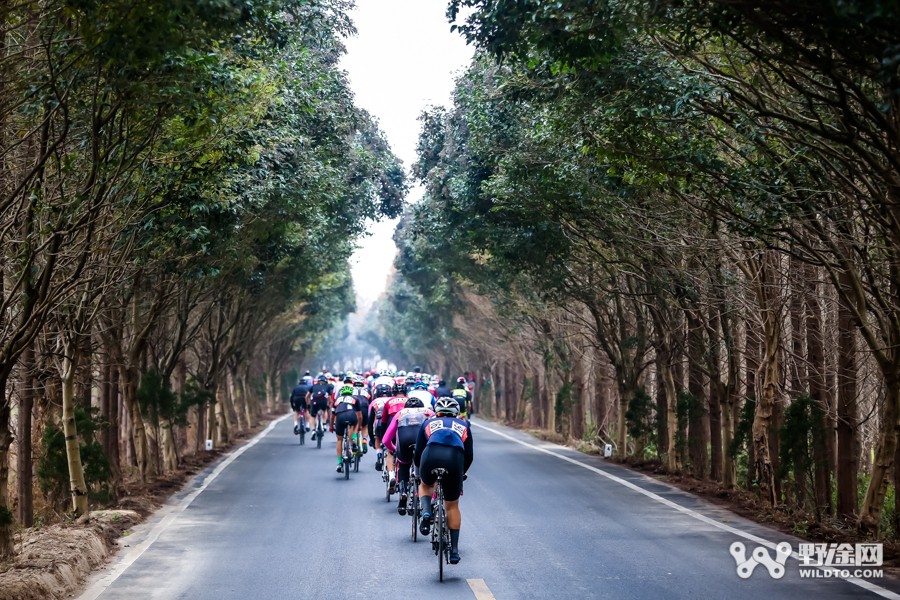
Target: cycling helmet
401	374
323	379
385	373
414	403
347	390
359	382
399	389
446	406
383	390
461	380
420	385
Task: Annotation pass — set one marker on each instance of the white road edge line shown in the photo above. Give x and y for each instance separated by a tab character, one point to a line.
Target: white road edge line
866	585
171	512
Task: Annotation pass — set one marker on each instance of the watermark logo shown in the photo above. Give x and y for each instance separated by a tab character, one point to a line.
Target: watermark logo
832	560
760	556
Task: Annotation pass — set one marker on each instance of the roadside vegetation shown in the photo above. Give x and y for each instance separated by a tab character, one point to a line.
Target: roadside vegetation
672	227
181	184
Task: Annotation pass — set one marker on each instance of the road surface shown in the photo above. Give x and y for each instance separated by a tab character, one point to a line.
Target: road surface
274	521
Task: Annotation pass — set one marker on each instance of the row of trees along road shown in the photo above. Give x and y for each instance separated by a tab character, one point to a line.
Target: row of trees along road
674	226
180	187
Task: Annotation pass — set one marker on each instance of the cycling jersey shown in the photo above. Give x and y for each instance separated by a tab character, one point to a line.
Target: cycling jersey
298	396
408	417
393	406
344	404
423	395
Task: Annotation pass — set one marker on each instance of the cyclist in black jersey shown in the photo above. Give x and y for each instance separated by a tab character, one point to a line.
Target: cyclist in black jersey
318	399
345	413
298	404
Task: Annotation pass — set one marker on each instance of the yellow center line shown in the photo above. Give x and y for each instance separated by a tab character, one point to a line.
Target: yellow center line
480	589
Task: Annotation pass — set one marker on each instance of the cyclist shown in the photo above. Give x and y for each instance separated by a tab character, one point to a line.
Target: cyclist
344	414
400	437
441	391
420	391
362	396
462	395
298	404
393	406
382	394
444	441
317	398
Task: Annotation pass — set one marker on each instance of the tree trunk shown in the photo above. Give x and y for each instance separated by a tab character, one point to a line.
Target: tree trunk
698	419
847	444
7	546
211	428
823	432
136	425
77	485
765	406
25	472
752	360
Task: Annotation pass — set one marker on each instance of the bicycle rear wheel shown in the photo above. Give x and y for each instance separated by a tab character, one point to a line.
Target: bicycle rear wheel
439	525
319	433
415	516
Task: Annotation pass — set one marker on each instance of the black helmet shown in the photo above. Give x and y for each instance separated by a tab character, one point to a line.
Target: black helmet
399	389
414	403
323	379
382	390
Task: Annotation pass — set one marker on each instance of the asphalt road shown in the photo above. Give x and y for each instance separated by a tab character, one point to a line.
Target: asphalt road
274	520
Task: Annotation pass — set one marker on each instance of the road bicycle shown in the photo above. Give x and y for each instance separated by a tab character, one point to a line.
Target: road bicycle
440	532
386	478
347	453
414	510
357	456
301	428
320	429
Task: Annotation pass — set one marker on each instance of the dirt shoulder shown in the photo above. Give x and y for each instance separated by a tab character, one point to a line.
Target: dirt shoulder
53	562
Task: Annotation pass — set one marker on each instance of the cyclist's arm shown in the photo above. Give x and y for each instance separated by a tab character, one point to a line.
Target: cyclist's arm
469	450
388	439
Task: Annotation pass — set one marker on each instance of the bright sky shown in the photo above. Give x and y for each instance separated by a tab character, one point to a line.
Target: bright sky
403	59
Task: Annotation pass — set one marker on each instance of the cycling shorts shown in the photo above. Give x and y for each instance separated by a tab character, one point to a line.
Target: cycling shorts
318	405
382	428
406	439
364	409
445	457
342	420
298	404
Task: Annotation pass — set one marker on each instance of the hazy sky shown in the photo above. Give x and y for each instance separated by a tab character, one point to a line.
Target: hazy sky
403	59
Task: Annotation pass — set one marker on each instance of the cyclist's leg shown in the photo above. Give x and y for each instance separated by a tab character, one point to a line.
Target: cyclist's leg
339	427
452	491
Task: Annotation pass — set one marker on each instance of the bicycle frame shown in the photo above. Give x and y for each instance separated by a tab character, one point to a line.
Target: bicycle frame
413	497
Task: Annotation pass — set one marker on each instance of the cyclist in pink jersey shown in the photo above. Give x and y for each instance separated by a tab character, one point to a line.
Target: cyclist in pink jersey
400	437
382	394
393	406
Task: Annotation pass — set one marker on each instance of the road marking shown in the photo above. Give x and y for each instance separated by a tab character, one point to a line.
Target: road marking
866	585
170	513
480	589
